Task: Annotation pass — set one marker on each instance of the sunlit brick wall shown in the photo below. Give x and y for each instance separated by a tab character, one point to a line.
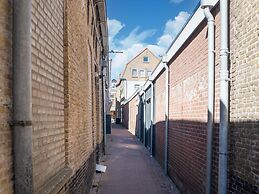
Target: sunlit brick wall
159	121
188	112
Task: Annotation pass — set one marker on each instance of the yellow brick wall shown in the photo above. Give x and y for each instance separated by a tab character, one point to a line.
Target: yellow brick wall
80	111
47	90
6	159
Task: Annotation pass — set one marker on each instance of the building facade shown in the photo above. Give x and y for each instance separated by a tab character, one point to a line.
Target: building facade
134	76
178	135
113	93
54	87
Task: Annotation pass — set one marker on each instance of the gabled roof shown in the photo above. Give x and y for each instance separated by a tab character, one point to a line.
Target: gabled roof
146	49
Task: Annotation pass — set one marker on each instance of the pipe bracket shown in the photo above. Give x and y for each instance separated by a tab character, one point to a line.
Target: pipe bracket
222	153
22	123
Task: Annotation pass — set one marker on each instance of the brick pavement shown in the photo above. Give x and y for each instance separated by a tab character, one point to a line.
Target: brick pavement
130	169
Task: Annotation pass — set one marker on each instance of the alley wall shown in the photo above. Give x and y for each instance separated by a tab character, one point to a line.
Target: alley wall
6	77
159	118
188	99
244	97
67	119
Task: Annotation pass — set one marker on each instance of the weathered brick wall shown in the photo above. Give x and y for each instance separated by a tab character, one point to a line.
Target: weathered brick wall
47	90
159	119
79	98
6	159
244	97
188	112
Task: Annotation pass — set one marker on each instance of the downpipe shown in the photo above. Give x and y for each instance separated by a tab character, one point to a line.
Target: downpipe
166	113
224	99
211	93
144	115
152	117
22	97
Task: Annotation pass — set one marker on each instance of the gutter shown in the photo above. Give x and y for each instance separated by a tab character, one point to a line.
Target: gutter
22	97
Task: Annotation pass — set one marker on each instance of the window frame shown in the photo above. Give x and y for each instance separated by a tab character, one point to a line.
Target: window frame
145	60
144	75
132	75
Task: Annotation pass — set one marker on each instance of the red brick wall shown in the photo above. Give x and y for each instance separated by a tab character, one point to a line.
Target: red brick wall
159	120
188	112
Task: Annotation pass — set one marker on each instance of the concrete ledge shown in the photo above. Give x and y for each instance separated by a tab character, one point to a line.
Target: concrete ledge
54	184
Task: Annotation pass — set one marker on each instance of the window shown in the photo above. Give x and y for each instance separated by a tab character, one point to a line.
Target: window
136	86
149	73
145	59
134	73
142	73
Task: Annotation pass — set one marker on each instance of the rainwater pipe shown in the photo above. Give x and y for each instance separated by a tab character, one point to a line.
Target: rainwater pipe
165	61
224	98
144	117
207	5
22	97
152	116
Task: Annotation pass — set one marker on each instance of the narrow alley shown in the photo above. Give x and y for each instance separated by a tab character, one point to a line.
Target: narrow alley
164	94
130	169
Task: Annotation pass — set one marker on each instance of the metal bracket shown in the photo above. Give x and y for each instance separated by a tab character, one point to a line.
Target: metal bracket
22	123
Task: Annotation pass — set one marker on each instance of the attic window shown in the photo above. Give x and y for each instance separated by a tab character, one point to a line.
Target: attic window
145	59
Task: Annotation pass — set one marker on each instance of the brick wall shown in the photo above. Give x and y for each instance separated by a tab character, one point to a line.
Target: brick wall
125	115
159	119
188	111
47	90
6	159
244	97
79	98
133	108
66	95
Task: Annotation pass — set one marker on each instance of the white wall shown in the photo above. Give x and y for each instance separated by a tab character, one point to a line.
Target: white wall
131	87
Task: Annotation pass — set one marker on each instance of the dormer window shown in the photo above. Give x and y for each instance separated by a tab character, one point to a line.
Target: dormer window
145	59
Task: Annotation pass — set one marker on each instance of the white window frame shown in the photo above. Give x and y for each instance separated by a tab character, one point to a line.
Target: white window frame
136	86
149	71
134	69
147	59
144	75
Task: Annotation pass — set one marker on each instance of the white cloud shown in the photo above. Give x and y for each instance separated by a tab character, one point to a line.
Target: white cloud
173	26
136	37
176	1
136	41
114	27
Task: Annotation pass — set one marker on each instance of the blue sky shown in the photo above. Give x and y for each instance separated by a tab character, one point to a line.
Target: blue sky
136	24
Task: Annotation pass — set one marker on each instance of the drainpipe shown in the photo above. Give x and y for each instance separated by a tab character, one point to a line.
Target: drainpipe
22	97
211	74
144	117
152	117
224	99
165	61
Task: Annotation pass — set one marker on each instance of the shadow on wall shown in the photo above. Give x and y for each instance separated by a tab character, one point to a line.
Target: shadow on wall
187	144
187	155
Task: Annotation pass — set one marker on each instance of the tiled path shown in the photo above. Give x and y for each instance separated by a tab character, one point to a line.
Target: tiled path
130	169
